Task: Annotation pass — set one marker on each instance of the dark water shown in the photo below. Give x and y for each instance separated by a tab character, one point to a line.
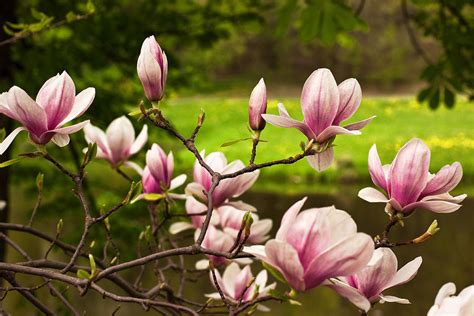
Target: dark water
448	256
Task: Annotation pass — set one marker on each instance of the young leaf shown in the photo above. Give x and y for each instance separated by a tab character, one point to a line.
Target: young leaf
273	271
83	274
11	162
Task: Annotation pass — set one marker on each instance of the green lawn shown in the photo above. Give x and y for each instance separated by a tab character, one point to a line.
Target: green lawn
448	133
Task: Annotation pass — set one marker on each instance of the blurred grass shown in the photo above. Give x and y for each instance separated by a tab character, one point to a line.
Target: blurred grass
448	133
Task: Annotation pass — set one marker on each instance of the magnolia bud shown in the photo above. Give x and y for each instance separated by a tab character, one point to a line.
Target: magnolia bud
258	106
152	68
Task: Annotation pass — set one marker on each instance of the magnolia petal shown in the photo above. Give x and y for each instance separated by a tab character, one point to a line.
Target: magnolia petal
393	299
409	172
284	257
344	258
445	180
446	290
134	166
241	205
230	279
376	170
61	139
360	124
289	218
445	197
332	131
406	273
82	102
56	97
179	227
196	190
372	195
120	136
95	135
433	206
215	296
258	251
178	181
350	95
28	112
321	161
352	294
202	264
9	139
320	100
139	141
70	129
288	122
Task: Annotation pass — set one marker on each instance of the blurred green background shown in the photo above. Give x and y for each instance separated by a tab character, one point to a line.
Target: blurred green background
412	58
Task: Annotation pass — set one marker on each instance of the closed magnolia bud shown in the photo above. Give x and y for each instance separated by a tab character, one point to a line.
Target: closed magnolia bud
258	106
152	68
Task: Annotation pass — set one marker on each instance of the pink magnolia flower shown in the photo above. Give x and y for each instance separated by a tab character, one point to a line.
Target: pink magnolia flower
408	183
325	105
158	173
227	218
217	240
365	287
446	303
152	68
315	245
56	104
227	188
118	142
239	284
258	106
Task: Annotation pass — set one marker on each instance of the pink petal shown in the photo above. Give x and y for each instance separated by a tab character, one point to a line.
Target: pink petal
81	104
406	273
372	195
70	129
178	181
321	161
288	219
352	294
61	139
9	139
139	141
229	279
376	170
339	225
320	100
5	109
446	290
408	173
332	131
377	274
285	120
445	180
344	258
360	124
393	299
30	114
95	135
284	258
56	97
350	95
258	106
120	136
433	206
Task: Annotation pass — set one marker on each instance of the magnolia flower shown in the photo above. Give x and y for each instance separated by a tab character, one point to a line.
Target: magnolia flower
365	287
56	104
408	183
3	204
158	173
325	105
118	142
239	285
446	303
227	218
215	239
227	188
152	68
258	106
315	245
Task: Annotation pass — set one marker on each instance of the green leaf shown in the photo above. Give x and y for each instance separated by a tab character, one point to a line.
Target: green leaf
152	196
434	99
273	271
3	133
423	94
70	16
285	17
11	162
93	266
449	98
40	181
83	274
90	7
233	142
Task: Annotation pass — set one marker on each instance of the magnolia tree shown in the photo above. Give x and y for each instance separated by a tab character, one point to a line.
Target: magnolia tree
313	247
